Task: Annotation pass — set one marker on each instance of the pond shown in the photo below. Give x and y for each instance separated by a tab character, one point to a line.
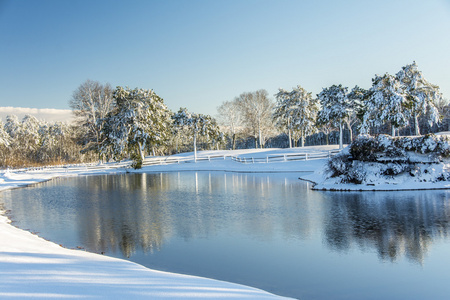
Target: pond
269	231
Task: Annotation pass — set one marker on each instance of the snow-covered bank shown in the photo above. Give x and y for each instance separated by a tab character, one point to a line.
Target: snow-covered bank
33	267
403	183
385	163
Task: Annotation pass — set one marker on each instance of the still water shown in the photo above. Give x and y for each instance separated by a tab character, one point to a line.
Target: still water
264	230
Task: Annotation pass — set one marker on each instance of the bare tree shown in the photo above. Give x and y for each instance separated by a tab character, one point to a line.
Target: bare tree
230	118
91	102
257	109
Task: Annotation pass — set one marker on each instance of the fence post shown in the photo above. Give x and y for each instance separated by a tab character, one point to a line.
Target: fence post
267	159
285	157
253	160
209	158
306	156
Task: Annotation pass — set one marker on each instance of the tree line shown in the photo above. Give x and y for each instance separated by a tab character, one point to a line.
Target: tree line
405	104
31	142
114	124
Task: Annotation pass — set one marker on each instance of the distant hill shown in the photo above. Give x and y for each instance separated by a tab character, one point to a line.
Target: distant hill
47	114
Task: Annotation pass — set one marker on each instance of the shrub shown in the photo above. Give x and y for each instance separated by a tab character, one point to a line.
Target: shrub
364	148
339	164
357	173
388	156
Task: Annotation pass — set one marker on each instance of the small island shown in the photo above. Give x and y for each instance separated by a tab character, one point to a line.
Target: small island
388	163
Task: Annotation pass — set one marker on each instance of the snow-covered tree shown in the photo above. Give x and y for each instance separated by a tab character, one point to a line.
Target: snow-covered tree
422	96
386	104
139	121
198	125
54	145
336	107
230	118
283	112
257	110
297	111
12	126
25	137
357	98
91	102
304	113
5	139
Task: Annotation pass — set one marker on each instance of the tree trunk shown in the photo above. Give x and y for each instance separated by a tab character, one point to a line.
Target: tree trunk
234	141
416	124
290	138
195	146
341	145
393	130
303	140
351	131
260	139
141	153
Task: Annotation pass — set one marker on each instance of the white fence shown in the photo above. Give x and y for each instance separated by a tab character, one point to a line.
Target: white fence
245	160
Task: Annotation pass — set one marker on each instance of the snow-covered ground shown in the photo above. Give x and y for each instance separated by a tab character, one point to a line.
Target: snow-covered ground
400	183
33	267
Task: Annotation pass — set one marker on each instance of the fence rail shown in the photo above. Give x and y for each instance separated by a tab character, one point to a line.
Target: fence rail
285	157
245	160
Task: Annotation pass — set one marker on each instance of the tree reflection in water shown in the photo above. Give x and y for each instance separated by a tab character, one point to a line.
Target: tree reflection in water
132	213
393	223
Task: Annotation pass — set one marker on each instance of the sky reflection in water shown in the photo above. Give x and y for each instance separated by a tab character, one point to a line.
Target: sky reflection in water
264	230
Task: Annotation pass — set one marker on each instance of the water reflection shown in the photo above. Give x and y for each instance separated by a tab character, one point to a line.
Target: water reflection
140	212
263	230
394	224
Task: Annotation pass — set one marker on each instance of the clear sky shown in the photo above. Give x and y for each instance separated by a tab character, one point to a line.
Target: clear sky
197	54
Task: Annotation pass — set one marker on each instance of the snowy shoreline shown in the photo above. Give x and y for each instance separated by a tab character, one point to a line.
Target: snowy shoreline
320	182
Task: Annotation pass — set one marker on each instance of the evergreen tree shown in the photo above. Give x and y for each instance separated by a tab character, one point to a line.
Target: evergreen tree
139	121
421	95
12	126
304	113
283	112
297	111
5	139
386	104
336	107
357	98
198	125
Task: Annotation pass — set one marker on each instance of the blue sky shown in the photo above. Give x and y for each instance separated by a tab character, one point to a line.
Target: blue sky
197	54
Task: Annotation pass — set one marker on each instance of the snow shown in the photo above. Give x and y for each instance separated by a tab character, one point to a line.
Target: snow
33	267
